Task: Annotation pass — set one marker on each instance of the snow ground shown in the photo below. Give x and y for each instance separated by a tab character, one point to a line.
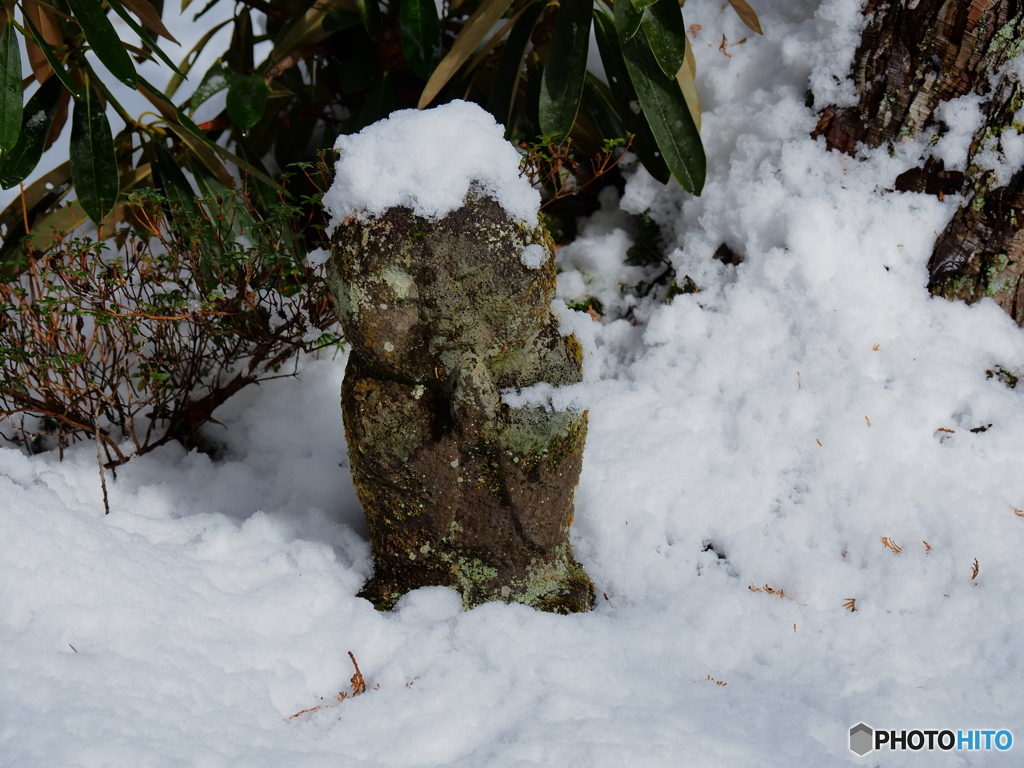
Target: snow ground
762	434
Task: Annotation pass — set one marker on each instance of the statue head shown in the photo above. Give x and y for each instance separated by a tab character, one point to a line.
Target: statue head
414	296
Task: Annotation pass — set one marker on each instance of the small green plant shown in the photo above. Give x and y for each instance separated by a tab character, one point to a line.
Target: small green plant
554	167
138	340
1007	377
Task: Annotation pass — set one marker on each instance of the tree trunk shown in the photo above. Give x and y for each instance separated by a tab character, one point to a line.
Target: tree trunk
914	56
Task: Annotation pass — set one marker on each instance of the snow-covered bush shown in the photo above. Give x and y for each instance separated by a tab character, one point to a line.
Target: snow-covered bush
138	340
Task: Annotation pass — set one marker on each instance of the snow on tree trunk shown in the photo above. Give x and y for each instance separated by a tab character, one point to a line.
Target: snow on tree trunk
913	57
981	251
446	310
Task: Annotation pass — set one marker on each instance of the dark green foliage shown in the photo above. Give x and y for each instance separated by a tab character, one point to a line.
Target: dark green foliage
332	69
119	9
509	73
626	101
51	58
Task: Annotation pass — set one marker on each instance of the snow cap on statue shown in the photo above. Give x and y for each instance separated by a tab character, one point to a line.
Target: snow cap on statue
427	160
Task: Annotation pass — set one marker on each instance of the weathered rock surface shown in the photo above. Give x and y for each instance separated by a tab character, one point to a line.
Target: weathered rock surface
459	489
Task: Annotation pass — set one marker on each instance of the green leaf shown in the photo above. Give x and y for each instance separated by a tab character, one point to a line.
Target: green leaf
173	183
174	115
641	5
214	81
19	161
510	68
357	74
565	69
239	56
369	12
206	8
104	40
687	79
51	58
420	33
177	190
670	120
255	175
665	31
12	103
627	20
188	128
247	99
626	100
119	9
211	188
202	153
303	29
604	115
182	126
93	165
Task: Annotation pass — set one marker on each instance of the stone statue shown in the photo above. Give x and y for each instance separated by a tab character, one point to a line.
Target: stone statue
459	488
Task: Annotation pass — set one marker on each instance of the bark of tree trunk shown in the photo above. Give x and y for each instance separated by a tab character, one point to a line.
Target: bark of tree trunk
913	56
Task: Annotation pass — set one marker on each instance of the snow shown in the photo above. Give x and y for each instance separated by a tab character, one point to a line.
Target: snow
533	256
963	117
750	445
317	256
397	162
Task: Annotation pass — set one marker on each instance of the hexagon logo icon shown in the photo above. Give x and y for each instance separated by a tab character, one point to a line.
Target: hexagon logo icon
861	739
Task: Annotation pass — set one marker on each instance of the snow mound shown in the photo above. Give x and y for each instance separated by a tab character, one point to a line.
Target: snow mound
427	160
